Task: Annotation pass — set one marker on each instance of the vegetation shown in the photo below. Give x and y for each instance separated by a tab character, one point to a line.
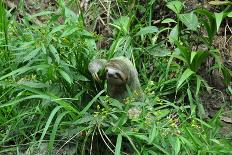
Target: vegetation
50	104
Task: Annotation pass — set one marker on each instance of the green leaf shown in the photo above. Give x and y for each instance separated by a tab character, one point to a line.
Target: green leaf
187	73
43	13
158	51
91	102
198	85
187	142
65	76
168	20
55	53
193	54
175	6
68	32
33	84
219	17
54	111
190	98
204	123
57	29
84	120
22	70
195	139
209	24
174	34
147	30
70	14
31	55
175	143
197	58
230	90
230	14
153	134
118	145
54	130
190	20
122	24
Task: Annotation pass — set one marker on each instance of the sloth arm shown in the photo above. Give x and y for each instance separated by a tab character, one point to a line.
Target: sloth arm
95	66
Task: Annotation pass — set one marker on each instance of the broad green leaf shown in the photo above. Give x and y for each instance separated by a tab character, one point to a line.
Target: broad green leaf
230	90
122	24
25	45
187	142
174	34
31	55
204	123
198	85
192	56
80	77
219	17
192	105
190	98
175	143
168	20
70	14
33	84
57	29
69	32
153	133
147	30
43	13
163	150
118	145
210	24
195	139
158	51
190	20
55	53
184	52
197	59
22	70
175	6
208	88
187	73
65	76
227	75
116	103
201	110
230	14
138	135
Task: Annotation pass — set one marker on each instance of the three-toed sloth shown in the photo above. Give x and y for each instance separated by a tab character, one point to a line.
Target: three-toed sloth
120	73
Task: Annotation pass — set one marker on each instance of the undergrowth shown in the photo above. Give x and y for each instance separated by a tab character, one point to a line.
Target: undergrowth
50	104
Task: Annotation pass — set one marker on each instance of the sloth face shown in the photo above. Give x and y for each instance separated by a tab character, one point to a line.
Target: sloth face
115	76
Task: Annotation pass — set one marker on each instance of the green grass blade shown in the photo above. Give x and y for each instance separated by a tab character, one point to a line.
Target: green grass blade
118	145
54	130
91	102
187	73
54	111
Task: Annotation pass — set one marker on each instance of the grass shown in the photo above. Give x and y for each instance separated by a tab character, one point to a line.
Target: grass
49	102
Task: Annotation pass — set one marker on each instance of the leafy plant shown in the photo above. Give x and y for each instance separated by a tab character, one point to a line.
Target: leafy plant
50	105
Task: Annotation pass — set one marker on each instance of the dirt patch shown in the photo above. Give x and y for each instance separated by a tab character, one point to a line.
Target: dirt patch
215	101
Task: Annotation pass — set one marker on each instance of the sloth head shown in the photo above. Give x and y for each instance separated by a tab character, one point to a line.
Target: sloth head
117	72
